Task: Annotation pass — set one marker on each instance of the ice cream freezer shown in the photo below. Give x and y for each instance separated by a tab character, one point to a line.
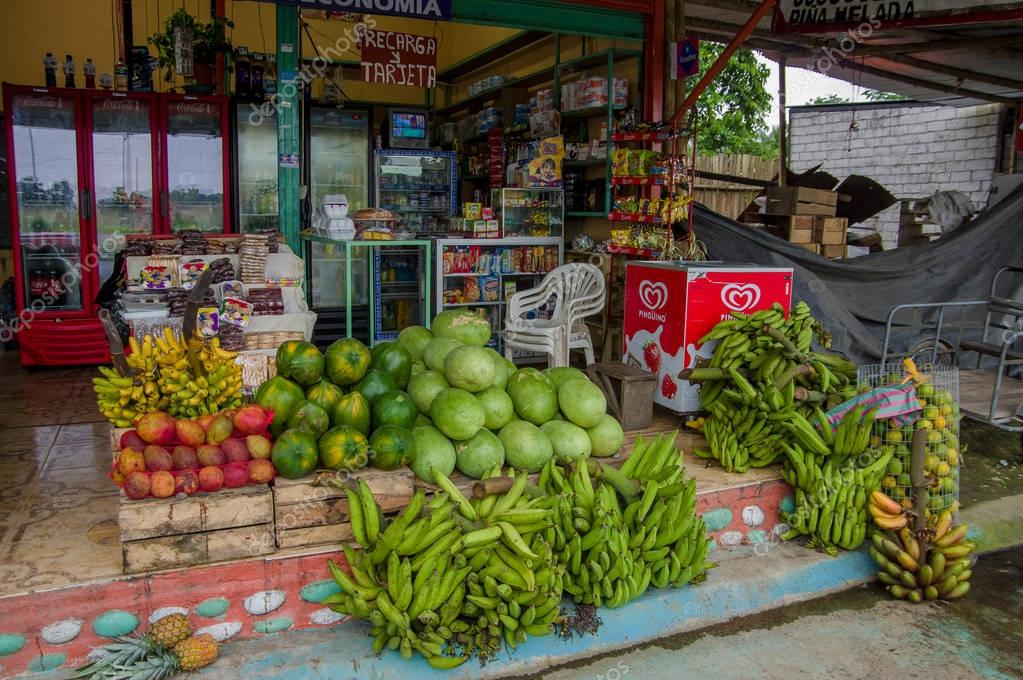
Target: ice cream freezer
669	306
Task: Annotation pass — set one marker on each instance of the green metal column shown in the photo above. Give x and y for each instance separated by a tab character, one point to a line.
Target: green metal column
289	139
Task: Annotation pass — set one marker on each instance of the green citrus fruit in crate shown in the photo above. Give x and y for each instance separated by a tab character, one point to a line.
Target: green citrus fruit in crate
326	394
392	358
282	396
394	408
469	368
424	386
431	450
301	361
479	455
342	447
353	410
437	350
415	339
533	395
294	454
346	361
526	447
375	383
391	447
463	325
457	413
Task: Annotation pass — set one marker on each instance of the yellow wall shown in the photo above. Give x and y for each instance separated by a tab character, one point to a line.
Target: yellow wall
85	28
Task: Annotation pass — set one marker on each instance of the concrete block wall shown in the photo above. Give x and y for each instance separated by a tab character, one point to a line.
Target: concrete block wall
913	150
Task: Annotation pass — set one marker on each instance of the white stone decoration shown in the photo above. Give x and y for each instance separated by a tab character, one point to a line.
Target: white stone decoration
164	612
731	538
264	602
222	631
752	516
326	617
61	632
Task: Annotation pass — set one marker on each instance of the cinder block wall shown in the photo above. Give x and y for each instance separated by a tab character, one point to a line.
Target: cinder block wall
911	149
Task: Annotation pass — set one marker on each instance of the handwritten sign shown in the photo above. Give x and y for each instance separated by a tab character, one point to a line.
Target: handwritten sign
394	58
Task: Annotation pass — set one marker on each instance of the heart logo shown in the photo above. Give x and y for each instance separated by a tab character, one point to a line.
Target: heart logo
740	296
653	295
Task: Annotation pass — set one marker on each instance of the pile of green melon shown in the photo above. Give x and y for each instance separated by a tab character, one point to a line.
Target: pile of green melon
432	400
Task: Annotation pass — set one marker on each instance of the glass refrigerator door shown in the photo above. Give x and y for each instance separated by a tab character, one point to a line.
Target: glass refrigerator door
417	187
122	166
46	171
327	280
195	165
339	156
257	172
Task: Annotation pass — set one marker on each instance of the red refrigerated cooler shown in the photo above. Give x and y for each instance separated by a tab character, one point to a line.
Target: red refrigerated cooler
669	306
86	168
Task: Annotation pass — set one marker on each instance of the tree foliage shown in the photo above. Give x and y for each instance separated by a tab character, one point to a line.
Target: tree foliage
829	99
731	111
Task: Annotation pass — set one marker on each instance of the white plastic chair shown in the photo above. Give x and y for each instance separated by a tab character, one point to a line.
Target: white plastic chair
577	291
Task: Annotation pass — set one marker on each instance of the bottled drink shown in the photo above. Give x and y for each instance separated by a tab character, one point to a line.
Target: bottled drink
90	74
243	74
270	76
121	76
50	67
257	76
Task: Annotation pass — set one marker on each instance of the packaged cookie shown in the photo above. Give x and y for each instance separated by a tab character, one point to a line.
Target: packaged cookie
191	272
236	312
208	321
156	278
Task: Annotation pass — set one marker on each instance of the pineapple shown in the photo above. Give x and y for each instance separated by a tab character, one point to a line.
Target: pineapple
128	650
191	654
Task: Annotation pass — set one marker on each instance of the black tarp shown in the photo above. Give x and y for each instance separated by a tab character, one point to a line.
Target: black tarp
853	297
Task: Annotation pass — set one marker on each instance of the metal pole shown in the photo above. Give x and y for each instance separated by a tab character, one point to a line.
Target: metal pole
782	141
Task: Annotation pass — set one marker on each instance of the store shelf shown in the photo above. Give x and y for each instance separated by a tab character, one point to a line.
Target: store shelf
640	181
590	112
620	216
487	57
648	136
585	163
583	213
474	178
490	303
418	191
629	250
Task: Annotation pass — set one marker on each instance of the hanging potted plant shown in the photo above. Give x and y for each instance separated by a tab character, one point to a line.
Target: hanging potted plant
189	48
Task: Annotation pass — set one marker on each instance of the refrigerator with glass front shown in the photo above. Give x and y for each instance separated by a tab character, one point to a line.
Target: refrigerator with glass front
255	170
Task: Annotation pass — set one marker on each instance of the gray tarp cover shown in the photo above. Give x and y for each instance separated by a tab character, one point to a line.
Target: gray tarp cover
853	297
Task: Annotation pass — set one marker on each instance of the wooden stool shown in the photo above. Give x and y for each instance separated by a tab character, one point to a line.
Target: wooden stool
629	391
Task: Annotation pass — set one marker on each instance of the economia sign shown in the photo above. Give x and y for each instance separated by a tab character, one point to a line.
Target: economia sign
393	58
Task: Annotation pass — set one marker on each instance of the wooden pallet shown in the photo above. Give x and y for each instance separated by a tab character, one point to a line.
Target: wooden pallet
165	533
309	515
801	201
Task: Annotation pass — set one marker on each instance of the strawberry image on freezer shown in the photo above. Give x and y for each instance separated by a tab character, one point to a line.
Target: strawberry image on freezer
669	306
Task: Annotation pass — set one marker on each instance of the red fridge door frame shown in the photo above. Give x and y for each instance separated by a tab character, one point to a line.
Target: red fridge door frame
88	274
89	96
165	102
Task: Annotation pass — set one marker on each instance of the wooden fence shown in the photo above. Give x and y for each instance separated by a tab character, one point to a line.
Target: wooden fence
728	198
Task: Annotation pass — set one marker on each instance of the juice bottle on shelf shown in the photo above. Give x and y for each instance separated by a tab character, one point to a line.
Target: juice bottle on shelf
121	76
243	74
256	77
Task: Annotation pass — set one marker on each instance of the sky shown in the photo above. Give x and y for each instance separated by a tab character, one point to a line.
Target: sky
803	86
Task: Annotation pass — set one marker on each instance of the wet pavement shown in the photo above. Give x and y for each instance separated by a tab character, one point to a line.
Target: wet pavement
856	634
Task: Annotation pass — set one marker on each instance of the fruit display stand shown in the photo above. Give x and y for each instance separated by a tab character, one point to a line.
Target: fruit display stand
308	514
164	533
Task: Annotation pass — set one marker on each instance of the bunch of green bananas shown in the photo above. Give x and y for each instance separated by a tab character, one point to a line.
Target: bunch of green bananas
762	374
614	549
123	398
453	578
916	570
831	491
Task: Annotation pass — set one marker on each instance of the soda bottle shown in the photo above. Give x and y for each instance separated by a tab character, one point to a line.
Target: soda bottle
243	74
50	68
90	73
270	76
121	76
257	76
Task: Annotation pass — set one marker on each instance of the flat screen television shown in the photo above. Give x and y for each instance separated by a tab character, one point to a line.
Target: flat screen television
406	128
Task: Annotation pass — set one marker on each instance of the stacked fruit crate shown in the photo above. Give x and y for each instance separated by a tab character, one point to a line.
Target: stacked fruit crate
806	217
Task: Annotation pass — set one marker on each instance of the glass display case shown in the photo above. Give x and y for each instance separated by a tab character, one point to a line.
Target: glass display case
482	274
529	212
196	152
338	144
419	186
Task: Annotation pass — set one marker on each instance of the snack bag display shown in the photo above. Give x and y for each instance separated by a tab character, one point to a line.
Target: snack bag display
620	163
191	271
156	278
236	312
208	321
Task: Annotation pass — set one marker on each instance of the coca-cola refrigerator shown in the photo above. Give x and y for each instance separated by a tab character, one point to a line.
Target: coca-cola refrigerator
86	168
669	306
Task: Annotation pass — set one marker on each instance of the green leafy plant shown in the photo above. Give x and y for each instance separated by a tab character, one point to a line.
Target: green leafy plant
208	40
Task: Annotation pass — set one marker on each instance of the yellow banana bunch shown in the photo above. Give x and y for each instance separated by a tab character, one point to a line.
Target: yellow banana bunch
916	572
163	378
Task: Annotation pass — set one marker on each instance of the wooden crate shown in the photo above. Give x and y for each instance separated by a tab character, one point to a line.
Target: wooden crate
792	228
163	533
830	231
632	393
834	251
812	247
801	201
308	515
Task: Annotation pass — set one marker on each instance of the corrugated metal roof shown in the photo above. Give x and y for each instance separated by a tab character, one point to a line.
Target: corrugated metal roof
955	65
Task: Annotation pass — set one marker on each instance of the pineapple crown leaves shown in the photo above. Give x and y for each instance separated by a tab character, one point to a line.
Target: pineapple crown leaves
126	650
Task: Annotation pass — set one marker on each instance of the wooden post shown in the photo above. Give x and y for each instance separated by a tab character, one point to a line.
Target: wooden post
782	142
918	480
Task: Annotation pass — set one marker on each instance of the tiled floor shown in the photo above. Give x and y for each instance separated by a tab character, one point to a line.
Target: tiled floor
58	508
